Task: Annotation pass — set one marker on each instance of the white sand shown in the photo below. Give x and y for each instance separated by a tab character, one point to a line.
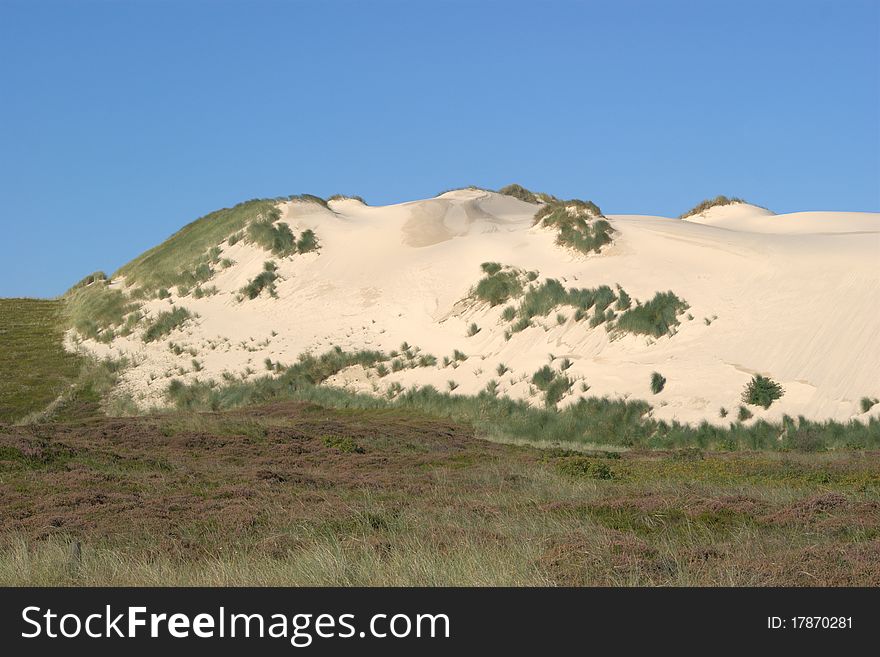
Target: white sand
795	297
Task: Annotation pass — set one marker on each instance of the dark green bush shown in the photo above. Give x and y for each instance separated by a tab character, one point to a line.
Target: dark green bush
762	391
658	381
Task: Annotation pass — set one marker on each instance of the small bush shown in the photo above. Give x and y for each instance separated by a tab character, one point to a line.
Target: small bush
473	329
658	381
307	241
165	322
580	466
344	444
762	391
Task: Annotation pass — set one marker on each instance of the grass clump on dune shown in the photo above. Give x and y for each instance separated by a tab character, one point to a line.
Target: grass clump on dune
265	280
272	236
499	284
866	404
520	192
579	224
553	384
656	317
711	203
346	197
96	310
95	277
165	322
658	382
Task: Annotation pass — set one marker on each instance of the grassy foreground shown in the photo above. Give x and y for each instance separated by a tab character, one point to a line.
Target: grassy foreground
295	494
299	484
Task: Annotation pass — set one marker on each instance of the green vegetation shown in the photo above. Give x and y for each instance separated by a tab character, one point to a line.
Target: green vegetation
473	329
183	259
499	284
580	224
96	310
553	384
744	414
265	280
309	198
867	404
656	317
343	197
762	391
36	368
520	192
307	241
94	277
165	322
587	421
272	236
658	381
344	444
711	203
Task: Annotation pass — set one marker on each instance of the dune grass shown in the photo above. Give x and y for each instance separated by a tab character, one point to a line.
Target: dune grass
579	224
272	235
165	322
498	284
711	203
167	264
96	310
657	317
265	280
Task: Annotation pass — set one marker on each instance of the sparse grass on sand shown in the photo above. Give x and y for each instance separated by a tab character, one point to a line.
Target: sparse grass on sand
711	203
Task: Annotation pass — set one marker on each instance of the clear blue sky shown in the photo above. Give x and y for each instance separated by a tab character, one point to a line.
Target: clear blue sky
122	121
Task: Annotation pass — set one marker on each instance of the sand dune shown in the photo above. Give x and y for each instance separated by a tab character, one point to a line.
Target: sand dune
795	297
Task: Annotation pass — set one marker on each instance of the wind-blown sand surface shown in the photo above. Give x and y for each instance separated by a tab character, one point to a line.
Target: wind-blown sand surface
795	297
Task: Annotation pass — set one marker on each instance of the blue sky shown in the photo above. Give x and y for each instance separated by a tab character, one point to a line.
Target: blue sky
122	121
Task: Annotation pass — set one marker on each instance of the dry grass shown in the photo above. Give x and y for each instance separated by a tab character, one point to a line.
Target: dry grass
296	494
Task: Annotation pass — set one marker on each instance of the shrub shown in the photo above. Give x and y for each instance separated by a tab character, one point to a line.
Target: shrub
580	466
473	329
658	381
744	414
307	241
165	322
867	404
762	391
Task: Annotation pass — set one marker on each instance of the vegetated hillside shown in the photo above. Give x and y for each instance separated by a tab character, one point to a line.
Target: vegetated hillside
35	367
512	294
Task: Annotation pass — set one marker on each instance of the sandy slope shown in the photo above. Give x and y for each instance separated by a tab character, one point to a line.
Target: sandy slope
796	297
